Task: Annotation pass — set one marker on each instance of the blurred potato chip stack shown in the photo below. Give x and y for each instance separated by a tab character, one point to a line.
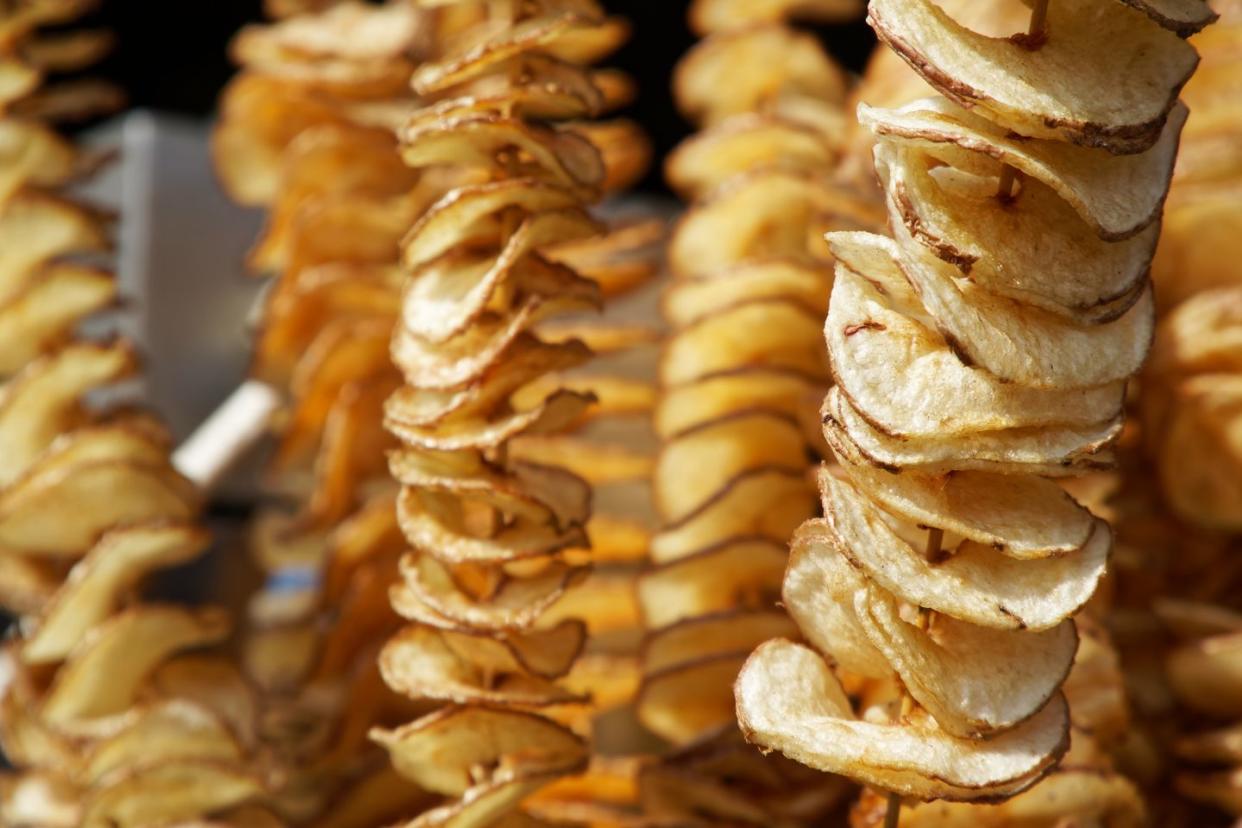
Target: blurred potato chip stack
106	715
742	371
496	528
308	131
1191	406
1192	391
1203	674
1202	218
978	354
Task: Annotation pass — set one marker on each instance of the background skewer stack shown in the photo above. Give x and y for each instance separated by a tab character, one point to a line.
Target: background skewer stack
107	715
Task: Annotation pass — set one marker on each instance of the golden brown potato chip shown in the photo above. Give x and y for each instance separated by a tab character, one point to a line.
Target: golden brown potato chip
707	16
559	157
35	154
1204	674
1118	195
43	399
40	798
737	573
443	751
731	447
1097	99
169	791
105	669
781	336
743	71
99	494
1021	516
465	667
624	148
873	340
743	143
51	304
259	117
765	214
1051	452
767	503
96	584
1025	345
789	701
37	227
1084	279
68	51
687	301
429	587
167	731
818	592
976	583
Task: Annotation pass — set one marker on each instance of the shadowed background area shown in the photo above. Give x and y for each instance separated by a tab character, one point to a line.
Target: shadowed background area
172	57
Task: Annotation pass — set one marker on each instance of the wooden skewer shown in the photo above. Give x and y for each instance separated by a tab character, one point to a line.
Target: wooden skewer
935	537
892	813
1035	31
1039	18
227	434
932	552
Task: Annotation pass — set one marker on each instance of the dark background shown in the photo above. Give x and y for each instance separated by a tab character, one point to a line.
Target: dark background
172	56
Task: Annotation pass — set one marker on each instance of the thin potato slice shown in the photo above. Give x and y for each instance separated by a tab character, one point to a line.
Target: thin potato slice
1048	451
516	603
974	681
47	309
1081	277
167	731
1023	345
41	401
99	494
1021	516
731	447
742	143
169	792
976	584
742	71
434	751
889	364
421	662
95	585
765	214
737	573
106	668
689	300
818	593
718	395
694	639
767	503
779	335
789	701
1068	89
1118	195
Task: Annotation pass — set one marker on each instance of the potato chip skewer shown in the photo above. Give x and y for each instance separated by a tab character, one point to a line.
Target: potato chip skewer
494	540
106	717
966	352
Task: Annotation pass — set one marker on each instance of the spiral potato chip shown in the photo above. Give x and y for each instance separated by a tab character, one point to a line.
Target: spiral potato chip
967	352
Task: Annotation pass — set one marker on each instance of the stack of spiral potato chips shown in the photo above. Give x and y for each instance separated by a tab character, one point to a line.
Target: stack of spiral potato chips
106	715
497	535
979	354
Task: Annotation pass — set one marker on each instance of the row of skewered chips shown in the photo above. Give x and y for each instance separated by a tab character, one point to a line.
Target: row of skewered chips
969	355
107	716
